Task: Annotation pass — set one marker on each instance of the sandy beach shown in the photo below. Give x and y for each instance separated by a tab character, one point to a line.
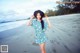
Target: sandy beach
63	37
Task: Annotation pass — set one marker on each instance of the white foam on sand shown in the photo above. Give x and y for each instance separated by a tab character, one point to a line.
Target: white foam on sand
11	25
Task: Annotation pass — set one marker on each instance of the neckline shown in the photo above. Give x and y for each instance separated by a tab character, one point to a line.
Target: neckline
38	21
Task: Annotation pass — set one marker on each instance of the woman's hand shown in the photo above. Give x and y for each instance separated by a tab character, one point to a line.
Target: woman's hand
32	17
30	21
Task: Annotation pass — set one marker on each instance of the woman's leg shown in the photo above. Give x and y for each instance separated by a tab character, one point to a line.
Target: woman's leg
42	47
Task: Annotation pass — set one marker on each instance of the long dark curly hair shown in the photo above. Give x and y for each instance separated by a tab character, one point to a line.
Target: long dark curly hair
42	15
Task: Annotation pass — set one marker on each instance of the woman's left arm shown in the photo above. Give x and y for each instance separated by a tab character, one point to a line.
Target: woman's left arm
49	24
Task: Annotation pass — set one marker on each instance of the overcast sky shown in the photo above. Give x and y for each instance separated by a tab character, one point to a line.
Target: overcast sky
27	7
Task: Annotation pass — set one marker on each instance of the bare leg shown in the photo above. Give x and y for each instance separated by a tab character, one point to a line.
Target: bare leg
42	47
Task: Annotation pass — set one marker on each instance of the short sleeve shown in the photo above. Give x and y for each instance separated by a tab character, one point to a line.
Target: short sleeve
32	23
45	26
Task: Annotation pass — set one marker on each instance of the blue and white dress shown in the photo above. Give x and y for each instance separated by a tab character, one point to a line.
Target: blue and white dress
40	34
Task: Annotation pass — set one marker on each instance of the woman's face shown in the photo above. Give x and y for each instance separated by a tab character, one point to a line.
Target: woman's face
38	16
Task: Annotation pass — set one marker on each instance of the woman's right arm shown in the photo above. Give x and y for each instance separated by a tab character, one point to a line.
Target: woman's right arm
30	21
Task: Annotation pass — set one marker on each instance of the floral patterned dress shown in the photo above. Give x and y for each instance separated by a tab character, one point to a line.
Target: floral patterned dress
40	34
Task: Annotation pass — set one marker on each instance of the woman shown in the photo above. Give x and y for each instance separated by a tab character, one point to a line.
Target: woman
40	26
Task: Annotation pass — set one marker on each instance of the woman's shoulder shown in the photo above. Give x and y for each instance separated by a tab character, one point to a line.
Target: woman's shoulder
44	20
33	19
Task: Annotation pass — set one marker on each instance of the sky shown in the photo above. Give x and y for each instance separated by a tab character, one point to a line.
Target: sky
27	7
